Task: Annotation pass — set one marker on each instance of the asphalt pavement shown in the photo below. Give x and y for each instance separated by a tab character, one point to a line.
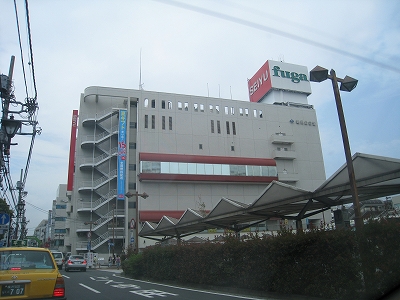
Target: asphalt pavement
229	290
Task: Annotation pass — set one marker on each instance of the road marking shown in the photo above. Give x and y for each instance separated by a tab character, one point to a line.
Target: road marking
89	288
65	276
152	293
193	290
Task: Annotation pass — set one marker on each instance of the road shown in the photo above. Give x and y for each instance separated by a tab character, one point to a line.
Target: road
102	284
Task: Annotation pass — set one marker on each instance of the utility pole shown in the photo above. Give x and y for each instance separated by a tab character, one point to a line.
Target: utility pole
21	220
90	234
6	88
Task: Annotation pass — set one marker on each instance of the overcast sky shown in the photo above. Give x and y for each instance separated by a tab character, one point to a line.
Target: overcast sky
200	48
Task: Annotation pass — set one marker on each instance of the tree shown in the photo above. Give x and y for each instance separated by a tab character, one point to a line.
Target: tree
5	208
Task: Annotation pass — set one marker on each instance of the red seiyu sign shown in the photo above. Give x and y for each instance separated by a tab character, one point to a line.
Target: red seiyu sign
278	75
260	83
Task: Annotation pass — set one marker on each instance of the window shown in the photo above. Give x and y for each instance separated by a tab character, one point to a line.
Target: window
153	103
179	105
212	126
163	104
217	109
146	121
246	112
241	111
132	124
132	167
255	113
60	219
61	206
132	145
60	230
202	107
163	122
186	106
211	108
153	122
146	102
260	113
227	128
200	146
233	128
232	148
196	107
232	111
226	110
131	186
206	168
170	123
218	127
169	104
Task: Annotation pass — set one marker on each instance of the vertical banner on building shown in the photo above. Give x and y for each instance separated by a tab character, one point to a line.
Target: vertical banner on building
72	145
121	154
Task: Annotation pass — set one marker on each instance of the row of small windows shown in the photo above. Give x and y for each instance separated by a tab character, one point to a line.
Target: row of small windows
60	219
153	122
61	206
206	169
200	107
228	127
164	104
60	230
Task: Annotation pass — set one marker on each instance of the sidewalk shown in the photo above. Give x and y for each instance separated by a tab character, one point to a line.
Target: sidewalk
109	269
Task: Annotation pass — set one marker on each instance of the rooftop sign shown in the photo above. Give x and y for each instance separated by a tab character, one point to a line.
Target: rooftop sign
279	76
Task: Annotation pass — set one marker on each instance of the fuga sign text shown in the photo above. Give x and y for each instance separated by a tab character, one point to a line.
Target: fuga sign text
295	77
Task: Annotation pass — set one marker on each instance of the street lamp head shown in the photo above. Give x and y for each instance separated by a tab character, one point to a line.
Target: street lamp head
318	74
129	194
144	195
348	84
11	126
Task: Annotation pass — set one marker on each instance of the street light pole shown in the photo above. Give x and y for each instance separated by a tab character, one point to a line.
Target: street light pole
90	234
319	74
113	243
137	195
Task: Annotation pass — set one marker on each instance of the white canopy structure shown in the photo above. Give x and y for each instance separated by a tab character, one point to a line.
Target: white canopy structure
376	176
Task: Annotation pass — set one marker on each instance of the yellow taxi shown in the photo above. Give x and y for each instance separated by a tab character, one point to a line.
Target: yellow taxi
29	273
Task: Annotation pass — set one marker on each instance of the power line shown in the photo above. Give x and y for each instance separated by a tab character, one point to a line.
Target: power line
280	33
20	47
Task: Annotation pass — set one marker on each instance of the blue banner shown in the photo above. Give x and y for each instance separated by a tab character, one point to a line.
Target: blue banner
121	154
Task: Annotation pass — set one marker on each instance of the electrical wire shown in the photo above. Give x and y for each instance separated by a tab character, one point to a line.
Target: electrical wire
30	48
20	47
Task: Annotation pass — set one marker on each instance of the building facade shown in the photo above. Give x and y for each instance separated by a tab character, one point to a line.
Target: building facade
61	206
186	151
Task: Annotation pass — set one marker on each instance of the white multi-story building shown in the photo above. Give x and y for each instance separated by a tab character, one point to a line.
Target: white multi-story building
59	218
41	231
186	152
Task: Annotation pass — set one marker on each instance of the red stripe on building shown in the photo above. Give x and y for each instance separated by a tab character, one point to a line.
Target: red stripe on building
206	159
72	145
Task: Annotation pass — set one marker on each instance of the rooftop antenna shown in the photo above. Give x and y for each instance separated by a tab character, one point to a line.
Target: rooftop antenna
230	89
208	91
219	91
140	71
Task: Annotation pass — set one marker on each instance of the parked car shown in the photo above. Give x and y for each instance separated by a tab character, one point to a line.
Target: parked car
59	258
75	262
29	273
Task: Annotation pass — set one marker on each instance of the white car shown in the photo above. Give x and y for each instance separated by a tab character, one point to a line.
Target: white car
59	258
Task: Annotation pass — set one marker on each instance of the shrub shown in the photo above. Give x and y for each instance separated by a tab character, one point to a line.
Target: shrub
336	264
